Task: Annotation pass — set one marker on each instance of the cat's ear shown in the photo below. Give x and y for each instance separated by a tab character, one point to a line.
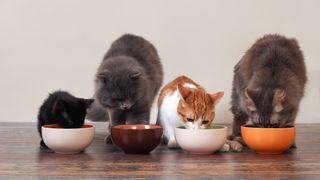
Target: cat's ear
88	102
135	74
184	92
216	97
279	95
249	94
278	98
59	106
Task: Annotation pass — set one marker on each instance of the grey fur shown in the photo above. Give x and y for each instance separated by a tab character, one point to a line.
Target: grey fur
273	73
127	82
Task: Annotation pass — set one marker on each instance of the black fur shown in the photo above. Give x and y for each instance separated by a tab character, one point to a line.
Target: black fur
63	109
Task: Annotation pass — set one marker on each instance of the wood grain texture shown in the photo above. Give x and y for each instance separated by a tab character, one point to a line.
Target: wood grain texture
21	158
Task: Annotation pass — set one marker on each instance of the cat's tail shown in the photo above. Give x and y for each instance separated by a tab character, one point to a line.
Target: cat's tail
97	113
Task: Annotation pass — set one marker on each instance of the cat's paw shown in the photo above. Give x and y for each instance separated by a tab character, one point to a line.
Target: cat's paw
225	148
173	145
235	146
108	139
231	146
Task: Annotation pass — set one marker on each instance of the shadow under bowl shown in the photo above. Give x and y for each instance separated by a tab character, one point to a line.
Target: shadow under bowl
136	138
268	140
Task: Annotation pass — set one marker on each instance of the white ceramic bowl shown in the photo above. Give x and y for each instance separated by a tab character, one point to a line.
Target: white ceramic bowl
201	141
67	141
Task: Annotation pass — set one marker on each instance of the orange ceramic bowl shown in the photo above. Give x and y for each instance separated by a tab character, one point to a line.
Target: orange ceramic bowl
268	140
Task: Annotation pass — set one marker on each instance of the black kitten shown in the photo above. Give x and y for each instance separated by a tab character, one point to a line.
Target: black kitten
63	109
127	82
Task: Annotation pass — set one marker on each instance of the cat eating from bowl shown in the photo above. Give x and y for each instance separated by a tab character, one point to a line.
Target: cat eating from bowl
184	102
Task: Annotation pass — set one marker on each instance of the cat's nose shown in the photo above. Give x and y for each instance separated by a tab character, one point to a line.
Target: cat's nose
125	106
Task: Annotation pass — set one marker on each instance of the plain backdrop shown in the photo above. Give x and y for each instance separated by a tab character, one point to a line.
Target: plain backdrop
47	45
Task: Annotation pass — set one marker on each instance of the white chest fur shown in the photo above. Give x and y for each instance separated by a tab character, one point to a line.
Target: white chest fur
169	116
168	109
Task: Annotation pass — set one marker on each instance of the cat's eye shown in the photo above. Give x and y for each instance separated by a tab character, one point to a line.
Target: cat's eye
189	120
116	99
205	122
104	80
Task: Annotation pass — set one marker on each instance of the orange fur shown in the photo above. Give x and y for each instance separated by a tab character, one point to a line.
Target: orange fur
172	86
195	103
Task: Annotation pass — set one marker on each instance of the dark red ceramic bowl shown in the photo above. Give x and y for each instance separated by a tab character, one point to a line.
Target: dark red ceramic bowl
136	138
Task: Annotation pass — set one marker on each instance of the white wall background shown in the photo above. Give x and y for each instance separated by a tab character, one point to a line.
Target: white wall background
47	45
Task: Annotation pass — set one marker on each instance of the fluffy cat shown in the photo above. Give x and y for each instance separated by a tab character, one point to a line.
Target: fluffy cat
126	83
63	109
184	102
268	84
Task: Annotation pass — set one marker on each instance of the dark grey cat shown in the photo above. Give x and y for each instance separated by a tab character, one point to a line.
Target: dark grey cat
127	82
268	84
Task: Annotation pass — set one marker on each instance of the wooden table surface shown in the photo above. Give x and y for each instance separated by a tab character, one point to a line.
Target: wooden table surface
21	157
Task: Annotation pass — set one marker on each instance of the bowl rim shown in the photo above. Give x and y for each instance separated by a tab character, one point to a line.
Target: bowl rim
49	126
222	127
127	127
252	127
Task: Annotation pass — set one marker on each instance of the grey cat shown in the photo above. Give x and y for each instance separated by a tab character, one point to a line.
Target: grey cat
268	84
126	82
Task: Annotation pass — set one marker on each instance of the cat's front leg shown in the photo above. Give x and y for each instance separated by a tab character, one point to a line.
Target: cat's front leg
168	125
235	141
172	143
116	117
239	118
169	138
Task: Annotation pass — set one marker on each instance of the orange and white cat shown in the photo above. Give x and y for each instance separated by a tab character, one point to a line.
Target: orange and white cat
184	102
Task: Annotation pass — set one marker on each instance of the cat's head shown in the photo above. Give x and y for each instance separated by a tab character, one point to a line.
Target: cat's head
120	85
71	112
265	107
196	107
